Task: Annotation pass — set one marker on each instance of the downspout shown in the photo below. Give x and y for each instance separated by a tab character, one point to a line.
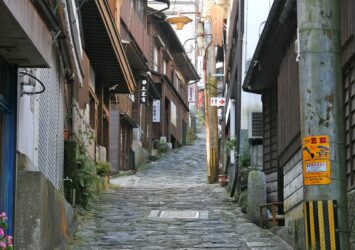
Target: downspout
70	71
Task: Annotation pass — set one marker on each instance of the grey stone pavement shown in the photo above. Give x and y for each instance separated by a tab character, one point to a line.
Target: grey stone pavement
170	206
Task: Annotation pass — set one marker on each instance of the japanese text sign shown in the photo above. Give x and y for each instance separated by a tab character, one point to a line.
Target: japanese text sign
144	91
156	111
316	160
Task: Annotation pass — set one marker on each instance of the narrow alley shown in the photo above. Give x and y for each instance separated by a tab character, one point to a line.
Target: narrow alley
170	206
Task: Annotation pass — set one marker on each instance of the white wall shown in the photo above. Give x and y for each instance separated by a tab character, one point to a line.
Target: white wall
41	122
256	12
27	139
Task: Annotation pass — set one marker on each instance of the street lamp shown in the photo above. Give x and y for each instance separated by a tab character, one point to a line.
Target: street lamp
180	20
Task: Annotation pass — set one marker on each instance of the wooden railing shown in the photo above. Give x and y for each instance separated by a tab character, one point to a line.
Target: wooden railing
275	216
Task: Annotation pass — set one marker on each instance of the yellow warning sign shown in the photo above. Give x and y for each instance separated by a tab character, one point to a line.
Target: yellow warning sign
316	160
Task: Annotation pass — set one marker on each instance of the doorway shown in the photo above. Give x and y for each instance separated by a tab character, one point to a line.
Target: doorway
8	92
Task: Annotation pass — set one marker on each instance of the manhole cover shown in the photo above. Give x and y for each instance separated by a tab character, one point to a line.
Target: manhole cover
178	214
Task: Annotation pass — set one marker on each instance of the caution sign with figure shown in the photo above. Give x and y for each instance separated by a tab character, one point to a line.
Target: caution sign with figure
316	160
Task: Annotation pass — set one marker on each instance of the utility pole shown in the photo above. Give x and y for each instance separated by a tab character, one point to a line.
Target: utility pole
209	68
321	104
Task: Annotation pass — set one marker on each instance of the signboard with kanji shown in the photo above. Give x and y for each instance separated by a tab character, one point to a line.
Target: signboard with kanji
218	101
316	160
156	111
144	91
192	93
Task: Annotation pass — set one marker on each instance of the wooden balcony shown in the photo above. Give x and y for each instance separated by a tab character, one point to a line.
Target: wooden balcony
136	28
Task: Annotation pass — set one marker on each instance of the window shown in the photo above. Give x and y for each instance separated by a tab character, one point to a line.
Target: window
176	82
164	67
139	8
155	58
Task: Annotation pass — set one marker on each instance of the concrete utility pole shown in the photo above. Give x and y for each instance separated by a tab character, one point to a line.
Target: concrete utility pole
321	104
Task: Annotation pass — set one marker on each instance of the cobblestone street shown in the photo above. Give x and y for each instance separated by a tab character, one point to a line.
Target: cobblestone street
170	206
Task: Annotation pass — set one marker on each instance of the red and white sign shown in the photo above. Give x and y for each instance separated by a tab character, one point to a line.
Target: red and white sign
218	101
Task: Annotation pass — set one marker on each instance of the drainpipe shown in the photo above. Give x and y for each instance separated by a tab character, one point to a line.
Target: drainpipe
72	74
321	108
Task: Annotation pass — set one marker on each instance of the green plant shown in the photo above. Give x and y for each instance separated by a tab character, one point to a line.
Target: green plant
103	168
230	144
163	147
86	176
244	160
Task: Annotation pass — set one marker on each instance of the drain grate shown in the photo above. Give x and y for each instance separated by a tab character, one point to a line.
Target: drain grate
178	214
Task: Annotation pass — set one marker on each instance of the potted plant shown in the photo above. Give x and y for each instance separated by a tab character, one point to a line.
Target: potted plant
5	240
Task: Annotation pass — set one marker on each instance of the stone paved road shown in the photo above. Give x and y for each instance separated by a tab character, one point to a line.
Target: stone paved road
170	206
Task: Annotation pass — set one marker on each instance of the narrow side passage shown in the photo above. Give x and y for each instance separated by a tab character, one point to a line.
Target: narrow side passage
170	206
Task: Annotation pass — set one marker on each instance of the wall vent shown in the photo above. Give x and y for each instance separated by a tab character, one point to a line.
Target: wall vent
255	125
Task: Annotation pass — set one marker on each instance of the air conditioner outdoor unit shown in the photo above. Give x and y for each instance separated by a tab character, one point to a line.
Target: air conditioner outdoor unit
255	125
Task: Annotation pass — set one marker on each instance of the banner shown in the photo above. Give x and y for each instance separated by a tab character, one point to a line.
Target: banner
156	111
192	93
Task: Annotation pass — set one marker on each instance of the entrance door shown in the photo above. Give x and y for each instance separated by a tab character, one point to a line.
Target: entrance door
8	90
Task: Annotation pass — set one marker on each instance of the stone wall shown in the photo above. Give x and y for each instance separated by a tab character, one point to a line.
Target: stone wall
43	219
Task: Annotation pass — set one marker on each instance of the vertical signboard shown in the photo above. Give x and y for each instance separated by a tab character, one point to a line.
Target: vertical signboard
144	91
173	114
316	160
200	99
192	93
156	111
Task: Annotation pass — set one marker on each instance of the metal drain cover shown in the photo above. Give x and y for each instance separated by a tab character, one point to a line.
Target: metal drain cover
178	214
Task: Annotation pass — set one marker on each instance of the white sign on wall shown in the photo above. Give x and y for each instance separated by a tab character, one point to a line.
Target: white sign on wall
192	93
173	114
144	91
156	110
218	101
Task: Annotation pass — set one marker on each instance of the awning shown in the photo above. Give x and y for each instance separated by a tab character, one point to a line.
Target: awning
25	39
104	48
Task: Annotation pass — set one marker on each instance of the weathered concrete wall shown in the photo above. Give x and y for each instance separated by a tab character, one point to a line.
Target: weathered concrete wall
256	156
351	213
140	153
43	219
256	194
294	221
